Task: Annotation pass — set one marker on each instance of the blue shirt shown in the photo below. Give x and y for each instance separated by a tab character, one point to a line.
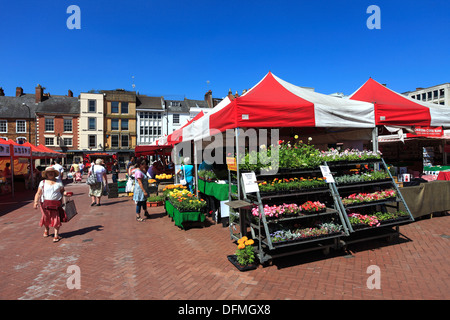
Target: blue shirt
189	169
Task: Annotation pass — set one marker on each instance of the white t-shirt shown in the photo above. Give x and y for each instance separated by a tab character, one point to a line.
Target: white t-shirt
61	171
99	171
51	192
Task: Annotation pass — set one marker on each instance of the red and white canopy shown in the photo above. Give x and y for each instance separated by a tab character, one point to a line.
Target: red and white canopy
182	134
276	103
394	109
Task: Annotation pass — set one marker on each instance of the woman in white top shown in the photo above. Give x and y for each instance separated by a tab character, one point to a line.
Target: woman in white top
96	190
50	189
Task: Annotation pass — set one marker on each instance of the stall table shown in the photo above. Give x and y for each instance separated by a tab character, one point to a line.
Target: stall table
180	217
216	192
427	198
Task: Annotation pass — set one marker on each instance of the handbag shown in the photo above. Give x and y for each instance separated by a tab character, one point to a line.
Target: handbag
70	209
91	179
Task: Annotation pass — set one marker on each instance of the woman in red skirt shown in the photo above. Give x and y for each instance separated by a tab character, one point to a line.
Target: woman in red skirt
49	199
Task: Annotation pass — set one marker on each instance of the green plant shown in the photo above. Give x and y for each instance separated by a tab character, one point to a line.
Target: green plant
155	198
207	175
244	253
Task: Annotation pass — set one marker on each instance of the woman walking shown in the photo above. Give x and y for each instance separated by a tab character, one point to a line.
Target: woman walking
96	190
48	198
140	193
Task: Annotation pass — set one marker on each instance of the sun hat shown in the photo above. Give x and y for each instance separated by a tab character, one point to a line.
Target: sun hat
49	169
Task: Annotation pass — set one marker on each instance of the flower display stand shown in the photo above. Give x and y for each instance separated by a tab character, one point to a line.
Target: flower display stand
380	216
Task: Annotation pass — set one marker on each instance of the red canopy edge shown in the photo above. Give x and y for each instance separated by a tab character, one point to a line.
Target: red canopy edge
395	109
55	154
148	150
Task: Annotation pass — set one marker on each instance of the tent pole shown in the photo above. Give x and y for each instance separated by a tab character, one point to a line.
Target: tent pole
375	145
236	135
196	168
12	170
375	139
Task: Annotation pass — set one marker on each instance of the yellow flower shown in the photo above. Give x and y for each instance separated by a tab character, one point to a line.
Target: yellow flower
241	246
249	242
296	136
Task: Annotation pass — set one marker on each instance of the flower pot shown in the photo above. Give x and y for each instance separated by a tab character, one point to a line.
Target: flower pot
154	203
233	260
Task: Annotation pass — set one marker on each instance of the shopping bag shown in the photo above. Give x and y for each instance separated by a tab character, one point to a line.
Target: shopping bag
70	209
91	179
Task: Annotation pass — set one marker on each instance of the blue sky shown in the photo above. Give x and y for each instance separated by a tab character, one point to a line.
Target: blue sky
173	48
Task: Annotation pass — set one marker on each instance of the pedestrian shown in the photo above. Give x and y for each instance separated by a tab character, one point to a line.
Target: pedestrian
115	171
7	173
154	170
48	197
96	190
75	170
141	193
57	165
188	172
81	165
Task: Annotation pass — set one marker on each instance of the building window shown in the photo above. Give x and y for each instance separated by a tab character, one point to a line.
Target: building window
124	141
176	118
124	124
124	108
92	141
92	106
49	141
430	95
92	125
21	140
3	126
114	107
49	124
114	124
21	126
441	93
114	141
67	142
67	125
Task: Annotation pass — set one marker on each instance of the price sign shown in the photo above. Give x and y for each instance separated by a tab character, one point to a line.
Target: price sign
326	173
250	184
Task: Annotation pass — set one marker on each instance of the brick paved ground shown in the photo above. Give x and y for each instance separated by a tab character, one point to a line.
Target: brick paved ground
120	258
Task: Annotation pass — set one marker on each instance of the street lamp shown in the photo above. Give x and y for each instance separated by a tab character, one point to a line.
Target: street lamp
29	121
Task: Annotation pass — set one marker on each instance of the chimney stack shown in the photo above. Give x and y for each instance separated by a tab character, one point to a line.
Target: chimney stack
19	91
39	93
208	98
70	93
2	93
230	95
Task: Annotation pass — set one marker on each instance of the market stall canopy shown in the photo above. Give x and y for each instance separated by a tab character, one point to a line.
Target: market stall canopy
4	148
54	154
182	134
151	150
185	132
395	109
275	103
18	150
37	152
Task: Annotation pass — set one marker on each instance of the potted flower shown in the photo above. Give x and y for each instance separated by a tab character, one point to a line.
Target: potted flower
155	201
244	258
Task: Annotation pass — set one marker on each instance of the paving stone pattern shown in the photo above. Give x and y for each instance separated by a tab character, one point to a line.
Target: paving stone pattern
120	258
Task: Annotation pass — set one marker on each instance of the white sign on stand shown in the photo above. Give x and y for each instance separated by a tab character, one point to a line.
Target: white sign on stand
326	173
249	180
